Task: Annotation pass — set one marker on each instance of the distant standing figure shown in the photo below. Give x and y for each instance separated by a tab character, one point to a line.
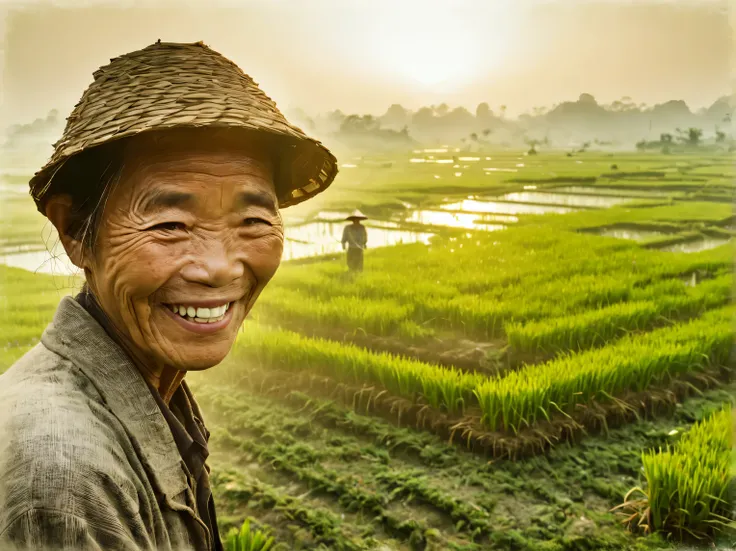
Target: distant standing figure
355	237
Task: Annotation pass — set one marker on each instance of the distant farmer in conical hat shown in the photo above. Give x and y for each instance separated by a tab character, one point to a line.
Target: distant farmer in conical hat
165	189
355	238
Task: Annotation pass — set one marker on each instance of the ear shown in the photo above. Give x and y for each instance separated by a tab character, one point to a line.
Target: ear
59	211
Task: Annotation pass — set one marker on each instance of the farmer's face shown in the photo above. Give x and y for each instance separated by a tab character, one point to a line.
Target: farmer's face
188	241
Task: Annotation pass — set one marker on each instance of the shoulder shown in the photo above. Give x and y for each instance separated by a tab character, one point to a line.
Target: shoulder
60	448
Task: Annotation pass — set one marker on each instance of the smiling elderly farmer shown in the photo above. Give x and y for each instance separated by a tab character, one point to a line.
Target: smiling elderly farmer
165	189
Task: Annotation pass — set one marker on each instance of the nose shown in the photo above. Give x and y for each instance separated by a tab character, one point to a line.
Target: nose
213	266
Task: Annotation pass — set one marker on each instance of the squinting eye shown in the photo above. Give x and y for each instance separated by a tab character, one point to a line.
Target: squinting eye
169	226
254	221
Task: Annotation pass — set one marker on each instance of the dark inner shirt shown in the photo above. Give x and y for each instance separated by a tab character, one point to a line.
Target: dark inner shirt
191	438
189	432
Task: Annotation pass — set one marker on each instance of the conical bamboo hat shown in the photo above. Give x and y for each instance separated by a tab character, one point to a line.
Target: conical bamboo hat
357	215
173	85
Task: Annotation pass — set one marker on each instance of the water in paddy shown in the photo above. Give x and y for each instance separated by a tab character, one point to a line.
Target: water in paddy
318	238
696	246
634	235
336	216
452	219
496	207
498	169
564	199
34	259
616	192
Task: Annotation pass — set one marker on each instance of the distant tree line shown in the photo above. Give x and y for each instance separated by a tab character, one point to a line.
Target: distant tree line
571	124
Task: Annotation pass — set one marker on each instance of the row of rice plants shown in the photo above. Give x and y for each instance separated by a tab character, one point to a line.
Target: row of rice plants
443	388
325	528
414	308
344	313
518	398
687	485
669	300
510	276
351	495
631	364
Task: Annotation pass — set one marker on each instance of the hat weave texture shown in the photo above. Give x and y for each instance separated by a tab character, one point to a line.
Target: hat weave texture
174	85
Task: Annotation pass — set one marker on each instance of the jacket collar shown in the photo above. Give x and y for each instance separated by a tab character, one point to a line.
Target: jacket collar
76	335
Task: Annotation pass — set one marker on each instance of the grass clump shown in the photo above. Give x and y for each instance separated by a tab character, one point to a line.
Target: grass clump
687	485
247	539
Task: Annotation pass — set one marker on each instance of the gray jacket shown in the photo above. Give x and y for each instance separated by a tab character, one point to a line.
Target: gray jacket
87	460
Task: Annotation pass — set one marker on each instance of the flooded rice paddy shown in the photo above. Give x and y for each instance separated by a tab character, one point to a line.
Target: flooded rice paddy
320	234
453	220
498	207
616	192
570	200
49	260
696	245
631	234
321	238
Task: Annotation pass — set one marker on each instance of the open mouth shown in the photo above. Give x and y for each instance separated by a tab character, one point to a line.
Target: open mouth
198	314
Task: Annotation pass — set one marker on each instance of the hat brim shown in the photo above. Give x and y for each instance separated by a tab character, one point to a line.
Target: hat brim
303	167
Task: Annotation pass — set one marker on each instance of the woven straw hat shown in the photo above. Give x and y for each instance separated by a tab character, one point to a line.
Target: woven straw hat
357	215
172	85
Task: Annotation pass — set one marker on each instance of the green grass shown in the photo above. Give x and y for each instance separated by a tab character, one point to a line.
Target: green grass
22	224
27	305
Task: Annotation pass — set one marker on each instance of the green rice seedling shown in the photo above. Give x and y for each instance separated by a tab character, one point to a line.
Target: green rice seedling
381	317
686	490
444	388
248	539
581	331
634	363
663	302
519	398
519	275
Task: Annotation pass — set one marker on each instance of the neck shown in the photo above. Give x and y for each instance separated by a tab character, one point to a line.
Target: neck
164	379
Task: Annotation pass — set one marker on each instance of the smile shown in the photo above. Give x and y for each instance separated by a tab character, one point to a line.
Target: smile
200	315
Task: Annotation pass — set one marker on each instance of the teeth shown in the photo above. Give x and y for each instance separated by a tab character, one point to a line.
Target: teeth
200	315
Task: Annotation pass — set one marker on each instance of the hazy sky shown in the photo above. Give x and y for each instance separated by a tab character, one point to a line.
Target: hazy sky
363	55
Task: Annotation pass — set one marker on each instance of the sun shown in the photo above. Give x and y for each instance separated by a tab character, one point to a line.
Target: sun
434	47
432	65
429	52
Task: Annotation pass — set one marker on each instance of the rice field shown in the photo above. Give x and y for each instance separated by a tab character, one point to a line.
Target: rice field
477	389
